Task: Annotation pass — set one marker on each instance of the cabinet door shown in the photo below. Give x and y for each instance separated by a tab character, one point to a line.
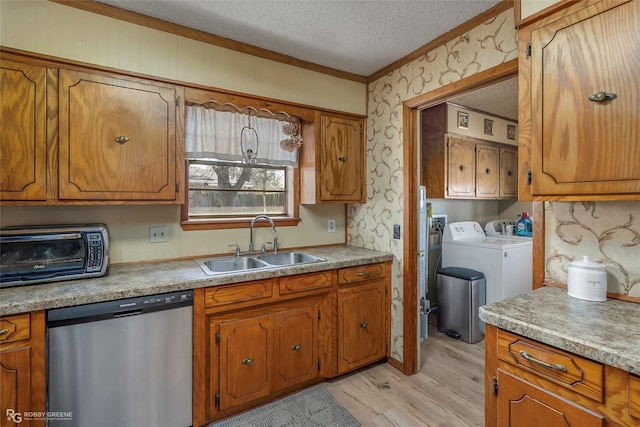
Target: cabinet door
362	331
296	346
508	173
341	159
581	141
522	404
23	141
117	138
487	171
15	386
246	358
461	168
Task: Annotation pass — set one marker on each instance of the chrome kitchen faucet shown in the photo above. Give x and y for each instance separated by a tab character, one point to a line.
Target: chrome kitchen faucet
253	221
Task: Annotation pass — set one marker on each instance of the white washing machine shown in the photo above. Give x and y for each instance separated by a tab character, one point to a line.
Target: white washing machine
505	261
495	229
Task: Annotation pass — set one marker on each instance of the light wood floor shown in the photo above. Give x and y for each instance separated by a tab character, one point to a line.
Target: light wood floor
448	391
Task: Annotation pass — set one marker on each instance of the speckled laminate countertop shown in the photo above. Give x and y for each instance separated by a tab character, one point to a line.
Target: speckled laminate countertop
154	278
607	332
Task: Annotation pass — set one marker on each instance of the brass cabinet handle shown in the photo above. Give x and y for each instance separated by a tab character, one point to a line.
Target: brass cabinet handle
556	367
487	171
248	361
121	139
363	325
364	273
3	331
463	168
602	97
342	159
296	347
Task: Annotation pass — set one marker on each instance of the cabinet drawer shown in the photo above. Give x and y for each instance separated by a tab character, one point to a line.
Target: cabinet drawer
634	396
363	272
229	294
15	328
565	369
307	282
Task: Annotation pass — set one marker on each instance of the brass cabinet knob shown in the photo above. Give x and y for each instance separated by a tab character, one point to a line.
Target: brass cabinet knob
248	361
602	97
296	347
121	139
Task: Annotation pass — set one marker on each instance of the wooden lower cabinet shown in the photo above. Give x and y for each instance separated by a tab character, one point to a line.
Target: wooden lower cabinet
296	347
246	356
522	404
264	354
531	384
362	328
22	369
255	354
257	341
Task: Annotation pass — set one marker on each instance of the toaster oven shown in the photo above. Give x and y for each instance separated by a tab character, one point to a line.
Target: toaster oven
49	253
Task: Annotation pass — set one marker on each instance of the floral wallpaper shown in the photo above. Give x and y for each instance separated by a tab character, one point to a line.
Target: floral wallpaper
371	225
608	232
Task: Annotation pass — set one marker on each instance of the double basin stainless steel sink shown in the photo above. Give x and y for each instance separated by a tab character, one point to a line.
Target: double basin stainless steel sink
252	262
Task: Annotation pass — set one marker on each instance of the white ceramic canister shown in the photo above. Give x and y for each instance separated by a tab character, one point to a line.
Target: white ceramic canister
587	280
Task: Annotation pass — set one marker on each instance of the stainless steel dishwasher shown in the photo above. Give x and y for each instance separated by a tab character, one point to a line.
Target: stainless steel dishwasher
122	363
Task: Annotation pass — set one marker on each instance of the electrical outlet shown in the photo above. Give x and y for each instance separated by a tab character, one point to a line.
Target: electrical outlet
437	223
331	226
158	234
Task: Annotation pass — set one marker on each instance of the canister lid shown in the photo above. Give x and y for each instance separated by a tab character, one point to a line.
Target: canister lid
587	263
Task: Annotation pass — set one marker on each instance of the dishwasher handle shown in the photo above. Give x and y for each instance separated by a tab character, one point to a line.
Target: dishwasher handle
128	313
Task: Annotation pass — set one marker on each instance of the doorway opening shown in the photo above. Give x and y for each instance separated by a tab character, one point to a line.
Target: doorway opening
411	153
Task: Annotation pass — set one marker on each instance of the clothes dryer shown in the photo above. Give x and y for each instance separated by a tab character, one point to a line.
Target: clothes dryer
505	261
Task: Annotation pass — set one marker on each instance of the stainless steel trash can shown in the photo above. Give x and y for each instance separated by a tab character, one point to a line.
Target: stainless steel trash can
461	292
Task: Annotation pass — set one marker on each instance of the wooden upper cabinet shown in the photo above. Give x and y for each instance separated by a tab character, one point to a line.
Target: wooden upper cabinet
456	166
461	168
23	142
333	169
487	171
585	101
508	172
117	138
341	158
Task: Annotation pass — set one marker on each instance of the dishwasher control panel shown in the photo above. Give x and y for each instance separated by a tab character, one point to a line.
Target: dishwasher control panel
118	308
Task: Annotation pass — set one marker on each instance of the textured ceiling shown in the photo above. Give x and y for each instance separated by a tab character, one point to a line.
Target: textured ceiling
500	99
356	36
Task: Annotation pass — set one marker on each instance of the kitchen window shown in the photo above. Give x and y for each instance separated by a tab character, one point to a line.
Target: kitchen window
240	163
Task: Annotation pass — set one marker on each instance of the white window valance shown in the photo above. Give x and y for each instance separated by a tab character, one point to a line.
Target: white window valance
221	132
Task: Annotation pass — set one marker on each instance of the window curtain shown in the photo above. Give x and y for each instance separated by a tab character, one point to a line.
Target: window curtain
222	133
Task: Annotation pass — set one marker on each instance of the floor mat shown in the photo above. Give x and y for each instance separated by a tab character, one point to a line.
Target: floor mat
312	407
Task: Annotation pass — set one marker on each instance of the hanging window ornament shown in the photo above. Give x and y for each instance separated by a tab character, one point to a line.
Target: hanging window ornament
292	130
249	143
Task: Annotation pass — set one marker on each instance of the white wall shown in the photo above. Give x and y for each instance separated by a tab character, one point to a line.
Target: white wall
61	31
481	211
